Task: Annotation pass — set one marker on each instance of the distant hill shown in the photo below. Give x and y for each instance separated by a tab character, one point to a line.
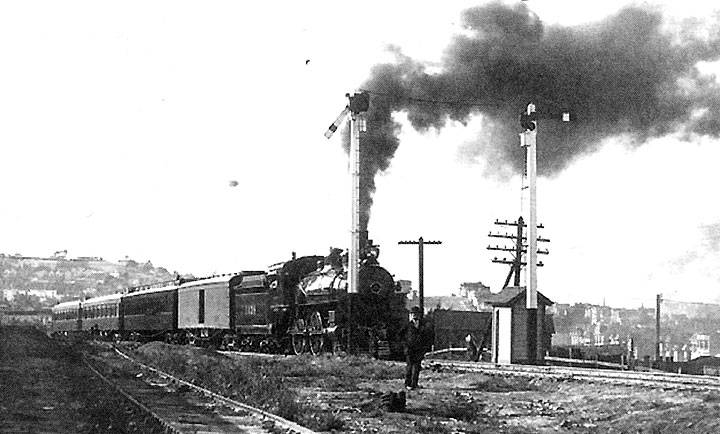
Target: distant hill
35	282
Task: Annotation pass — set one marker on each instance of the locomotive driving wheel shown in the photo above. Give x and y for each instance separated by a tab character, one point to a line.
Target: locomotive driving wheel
297	338
315	333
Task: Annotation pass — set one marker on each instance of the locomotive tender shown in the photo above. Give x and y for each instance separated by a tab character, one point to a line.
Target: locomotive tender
301	305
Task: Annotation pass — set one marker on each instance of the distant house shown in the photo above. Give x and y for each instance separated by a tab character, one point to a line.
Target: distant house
21	317
452	302
699	346
405	286
467	300
42	294
475	292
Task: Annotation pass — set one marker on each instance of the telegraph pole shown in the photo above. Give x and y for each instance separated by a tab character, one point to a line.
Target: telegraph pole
516	251
518	254
658	301
420	243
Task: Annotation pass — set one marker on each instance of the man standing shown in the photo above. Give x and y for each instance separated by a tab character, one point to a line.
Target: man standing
416	344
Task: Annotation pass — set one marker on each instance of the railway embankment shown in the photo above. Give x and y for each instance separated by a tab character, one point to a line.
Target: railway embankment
45	387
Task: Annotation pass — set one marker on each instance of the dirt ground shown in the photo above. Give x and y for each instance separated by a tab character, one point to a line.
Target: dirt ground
46	389
476	403
346	395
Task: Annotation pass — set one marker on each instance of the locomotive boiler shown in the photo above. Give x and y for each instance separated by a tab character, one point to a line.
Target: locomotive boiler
303	305
329	317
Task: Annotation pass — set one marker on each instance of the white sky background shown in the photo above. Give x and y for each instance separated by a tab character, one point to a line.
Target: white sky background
123	123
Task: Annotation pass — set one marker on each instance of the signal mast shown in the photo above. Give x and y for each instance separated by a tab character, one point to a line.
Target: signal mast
358	104
528	122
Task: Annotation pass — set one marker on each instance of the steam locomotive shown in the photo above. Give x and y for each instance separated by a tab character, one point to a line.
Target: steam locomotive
301	305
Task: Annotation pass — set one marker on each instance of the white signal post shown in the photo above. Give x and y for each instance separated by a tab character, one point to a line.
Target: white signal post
358	105
529	139
357	124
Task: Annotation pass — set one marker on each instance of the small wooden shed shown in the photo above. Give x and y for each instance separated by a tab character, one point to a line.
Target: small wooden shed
509	327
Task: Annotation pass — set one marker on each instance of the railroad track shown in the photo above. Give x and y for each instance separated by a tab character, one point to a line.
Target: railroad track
182	407
647	379
636	378
241	354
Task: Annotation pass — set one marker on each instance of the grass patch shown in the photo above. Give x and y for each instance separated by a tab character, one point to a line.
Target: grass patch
350	366
268	383
330	372
239	379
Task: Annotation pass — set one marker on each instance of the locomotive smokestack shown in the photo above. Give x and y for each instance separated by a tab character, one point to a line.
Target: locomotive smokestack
364	240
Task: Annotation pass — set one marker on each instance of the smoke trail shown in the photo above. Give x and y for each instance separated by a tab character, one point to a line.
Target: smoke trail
623	75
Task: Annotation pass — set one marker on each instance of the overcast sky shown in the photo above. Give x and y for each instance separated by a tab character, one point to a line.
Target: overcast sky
191	134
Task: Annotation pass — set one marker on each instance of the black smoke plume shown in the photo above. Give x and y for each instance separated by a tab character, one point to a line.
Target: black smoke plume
627	74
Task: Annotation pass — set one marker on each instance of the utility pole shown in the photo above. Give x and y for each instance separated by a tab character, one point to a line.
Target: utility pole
516	251
420	243
658	301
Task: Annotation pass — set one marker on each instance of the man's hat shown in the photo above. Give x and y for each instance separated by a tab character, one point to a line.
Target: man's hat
415	309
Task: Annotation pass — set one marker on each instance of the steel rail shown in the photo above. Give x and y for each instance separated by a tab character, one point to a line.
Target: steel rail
666	380
282	422
164	423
